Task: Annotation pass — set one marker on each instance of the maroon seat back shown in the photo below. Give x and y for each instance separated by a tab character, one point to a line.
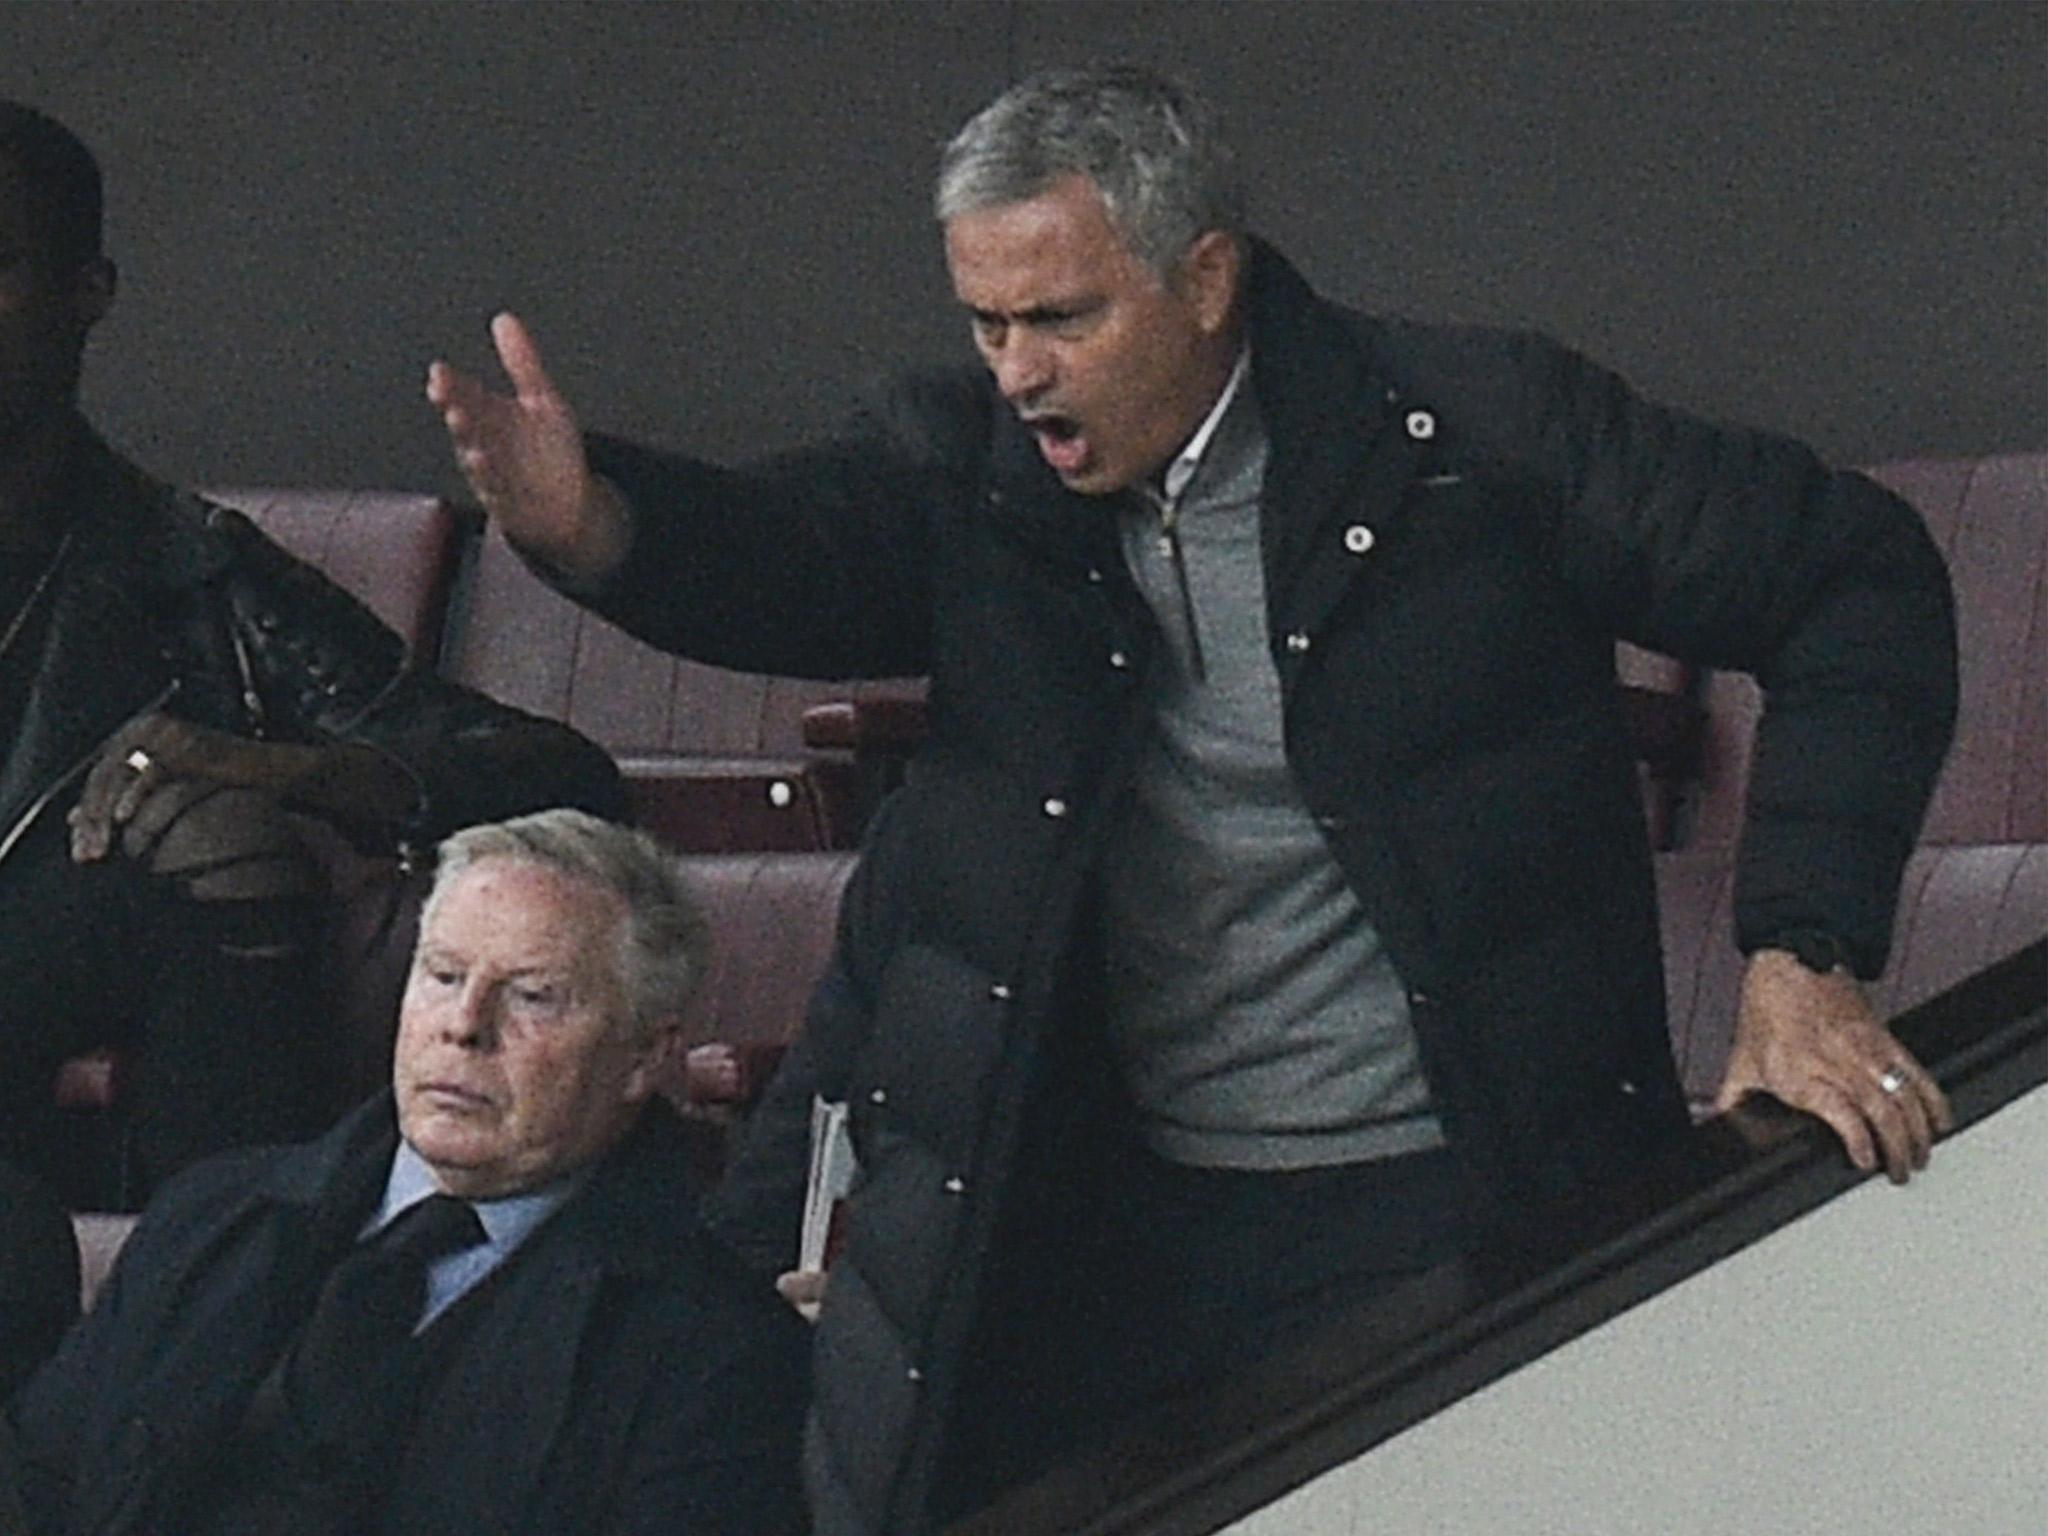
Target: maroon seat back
716	759
773	918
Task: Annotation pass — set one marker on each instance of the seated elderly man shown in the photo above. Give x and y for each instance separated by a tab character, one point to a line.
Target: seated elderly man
483	1302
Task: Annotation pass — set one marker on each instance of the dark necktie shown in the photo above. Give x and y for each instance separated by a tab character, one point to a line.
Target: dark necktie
343	1379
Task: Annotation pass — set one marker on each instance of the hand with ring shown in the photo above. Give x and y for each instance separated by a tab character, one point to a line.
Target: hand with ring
196	806
1811	1041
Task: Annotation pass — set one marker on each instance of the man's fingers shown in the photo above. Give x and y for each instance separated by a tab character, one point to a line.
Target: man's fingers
1921	1084
1900	1086
158	803
91	819
1901	1149
521	359
1840	1112
464	402
132	765
458	397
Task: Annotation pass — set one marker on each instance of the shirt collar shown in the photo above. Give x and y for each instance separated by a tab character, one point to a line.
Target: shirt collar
1189	459
507	1221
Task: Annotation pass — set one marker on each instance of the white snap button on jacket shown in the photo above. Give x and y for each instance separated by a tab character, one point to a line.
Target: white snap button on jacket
1297	642
1421	426
1055	806
1358	538
780	794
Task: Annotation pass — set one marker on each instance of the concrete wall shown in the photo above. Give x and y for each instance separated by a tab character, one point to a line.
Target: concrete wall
1876	1365
1827	219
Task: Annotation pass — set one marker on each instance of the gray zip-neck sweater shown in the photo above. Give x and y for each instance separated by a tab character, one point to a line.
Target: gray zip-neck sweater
1258	1021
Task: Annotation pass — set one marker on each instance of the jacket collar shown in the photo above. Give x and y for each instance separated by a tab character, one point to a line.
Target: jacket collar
1334	421
142	533
138	551
634	1214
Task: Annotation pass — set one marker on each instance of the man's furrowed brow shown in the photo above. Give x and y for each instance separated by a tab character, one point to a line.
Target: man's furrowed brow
1038	314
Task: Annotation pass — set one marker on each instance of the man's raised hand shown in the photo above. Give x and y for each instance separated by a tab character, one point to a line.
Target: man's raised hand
522	455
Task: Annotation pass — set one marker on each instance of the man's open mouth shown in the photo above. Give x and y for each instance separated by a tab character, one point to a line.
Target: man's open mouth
1060	441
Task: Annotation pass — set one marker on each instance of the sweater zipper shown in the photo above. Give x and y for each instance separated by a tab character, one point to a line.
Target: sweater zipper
1175	557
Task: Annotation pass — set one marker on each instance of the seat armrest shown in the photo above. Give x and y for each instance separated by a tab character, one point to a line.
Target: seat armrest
862	726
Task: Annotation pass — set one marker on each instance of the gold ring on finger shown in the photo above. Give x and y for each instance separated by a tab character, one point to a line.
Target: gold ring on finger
1892	1080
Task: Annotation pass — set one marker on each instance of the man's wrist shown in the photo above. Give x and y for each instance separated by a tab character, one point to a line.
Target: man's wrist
1817	949
604	535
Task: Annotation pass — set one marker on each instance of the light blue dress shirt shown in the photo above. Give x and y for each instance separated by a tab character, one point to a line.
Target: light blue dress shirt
507	1223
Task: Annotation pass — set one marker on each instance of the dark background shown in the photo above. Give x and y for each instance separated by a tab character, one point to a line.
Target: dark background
1823	218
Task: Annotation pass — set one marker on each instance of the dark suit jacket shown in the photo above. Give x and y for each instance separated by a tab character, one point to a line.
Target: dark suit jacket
623	1377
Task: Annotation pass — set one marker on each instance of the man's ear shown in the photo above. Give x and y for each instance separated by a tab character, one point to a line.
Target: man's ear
92	290
1208	278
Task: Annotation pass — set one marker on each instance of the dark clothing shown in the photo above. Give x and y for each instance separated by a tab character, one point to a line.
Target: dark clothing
38	1276
618	1374
1176	1278
1451	723
217	1010
165	602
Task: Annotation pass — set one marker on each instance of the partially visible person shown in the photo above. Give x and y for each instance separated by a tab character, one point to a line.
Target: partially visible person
183	709
1268	922
483	1302
38	1276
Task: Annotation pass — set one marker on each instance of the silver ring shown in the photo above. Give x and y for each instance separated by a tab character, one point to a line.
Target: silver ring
139	760
1892	1079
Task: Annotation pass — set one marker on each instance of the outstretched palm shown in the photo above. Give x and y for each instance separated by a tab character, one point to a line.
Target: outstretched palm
522	453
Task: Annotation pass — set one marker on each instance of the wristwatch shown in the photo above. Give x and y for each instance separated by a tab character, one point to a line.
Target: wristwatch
1815	948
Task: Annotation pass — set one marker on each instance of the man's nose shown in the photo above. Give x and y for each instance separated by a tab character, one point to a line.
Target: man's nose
1023	368
469	1020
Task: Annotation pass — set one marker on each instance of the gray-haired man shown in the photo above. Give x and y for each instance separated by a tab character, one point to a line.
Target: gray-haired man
1270	912
484	1301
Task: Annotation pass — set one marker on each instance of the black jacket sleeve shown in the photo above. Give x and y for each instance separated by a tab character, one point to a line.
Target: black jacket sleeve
1740	549
819	562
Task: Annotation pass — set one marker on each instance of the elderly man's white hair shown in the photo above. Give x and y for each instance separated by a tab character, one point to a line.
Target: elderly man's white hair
665	944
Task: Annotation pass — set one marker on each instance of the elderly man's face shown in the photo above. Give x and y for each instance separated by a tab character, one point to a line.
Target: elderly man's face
517	1058
1110	368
